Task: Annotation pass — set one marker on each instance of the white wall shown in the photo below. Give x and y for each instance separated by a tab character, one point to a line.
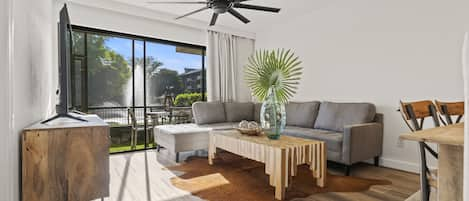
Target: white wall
379	52
26	79
465	55
94	17
6	166
120	17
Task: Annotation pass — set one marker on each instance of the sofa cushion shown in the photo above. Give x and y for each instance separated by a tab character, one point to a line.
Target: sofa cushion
208	112
220	126
236	112
334	116
257	112
332	139
302	114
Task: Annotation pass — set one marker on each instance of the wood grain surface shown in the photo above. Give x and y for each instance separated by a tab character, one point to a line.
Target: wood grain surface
450	135
421	108
450	140
65	164
454	108
281	157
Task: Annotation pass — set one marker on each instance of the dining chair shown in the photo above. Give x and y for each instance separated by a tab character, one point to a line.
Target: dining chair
414	115
450	110
135	128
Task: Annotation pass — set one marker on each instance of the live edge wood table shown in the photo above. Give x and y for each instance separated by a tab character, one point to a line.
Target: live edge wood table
450	140
66	160
281	157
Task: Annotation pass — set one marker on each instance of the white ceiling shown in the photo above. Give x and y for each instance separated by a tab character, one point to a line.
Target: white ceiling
290	8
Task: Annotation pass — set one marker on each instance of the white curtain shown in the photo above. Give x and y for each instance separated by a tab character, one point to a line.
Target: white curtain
226	57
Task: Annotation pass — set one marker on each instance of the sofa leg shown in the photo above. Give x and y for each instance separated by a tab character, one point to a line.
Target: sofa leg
376	161
347	170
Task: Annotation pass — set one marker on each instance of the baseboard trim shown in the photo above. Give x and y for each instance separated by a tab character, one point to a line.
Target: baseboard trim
400	165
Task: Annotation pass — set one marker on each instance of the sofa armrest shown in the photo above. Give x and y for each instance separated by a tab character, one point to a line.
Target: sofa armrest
362	142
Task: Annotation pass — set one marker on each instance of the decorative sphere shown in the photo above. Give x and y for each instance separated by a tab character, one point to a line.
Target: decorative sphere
243	124
253	125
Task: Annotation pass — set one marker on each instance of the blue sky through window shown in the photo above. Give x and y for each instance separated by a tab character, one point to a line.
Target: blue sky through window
162	52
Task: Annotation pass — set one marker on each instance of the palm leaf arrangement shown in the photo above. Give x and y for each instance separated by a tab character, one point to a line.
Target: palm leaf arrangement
277	69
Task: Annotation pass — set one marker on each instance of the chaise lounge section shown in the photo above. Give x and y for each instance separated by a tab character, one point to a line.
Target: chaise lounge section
353	132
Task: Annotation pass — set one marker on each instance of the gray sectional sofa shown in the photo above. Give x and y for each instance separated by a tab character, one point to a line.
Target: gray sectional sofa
353	132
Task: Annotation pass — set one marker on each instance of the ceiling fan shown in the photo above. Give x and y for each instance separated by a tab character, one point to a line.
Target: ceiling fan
220	7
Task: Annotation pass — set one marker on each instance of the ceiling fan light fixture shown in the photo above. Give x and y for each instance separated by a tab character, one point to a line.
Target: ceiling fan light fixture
221	7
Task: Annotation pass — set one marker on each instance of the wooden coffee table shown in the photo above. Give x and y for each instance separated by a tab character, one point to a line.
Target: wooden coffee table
281	157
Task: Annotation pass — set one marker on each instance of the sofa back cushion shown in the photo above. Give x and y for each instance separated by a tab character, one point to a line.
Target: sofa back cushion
257	112
302	114
334	116
208	112
236	112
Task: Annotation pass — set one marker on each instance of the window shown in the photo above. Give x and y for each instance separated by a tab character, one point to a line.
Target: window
169	73
114	72
109	67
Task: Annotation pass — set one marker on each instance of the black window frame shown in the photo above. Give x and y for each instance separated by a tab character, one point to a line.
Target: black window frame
89	30
145	39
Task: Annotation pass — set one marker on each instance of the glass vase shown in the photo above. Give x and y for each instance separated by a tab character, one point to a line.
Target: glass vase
273	117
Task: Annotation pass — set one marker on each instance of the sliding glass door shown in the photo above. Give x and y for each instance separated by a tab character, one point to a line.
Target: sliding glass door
134	83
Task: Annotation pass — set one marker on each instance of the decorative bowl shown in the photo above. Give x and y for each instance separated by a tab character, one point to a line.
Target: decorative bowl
250	131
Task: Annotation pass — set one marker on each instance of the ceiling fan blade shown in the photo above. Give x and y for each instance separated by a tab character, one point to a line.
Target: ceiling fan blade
254	7
238	15
191	13
177	2
214	19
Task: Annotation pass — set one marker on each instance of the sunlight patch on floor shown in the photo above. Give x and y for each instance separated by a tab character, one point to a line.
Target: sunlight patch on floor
139	176
200	183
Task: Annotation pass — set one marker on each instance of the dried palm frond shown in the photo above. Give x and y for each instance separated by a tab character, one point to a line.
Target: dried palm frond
278	69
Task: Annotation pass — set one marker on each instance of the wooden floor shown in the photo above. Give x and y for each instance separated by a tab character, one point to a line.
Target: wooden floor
142	176
403	186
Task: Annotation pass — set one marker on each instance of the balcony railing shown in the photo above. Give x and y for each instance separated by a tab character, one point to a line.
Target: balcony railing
119	116
118	119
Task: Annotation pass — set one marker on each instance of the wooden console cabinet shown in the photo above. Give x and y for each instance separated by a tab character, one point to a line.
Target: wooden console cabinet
66	160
